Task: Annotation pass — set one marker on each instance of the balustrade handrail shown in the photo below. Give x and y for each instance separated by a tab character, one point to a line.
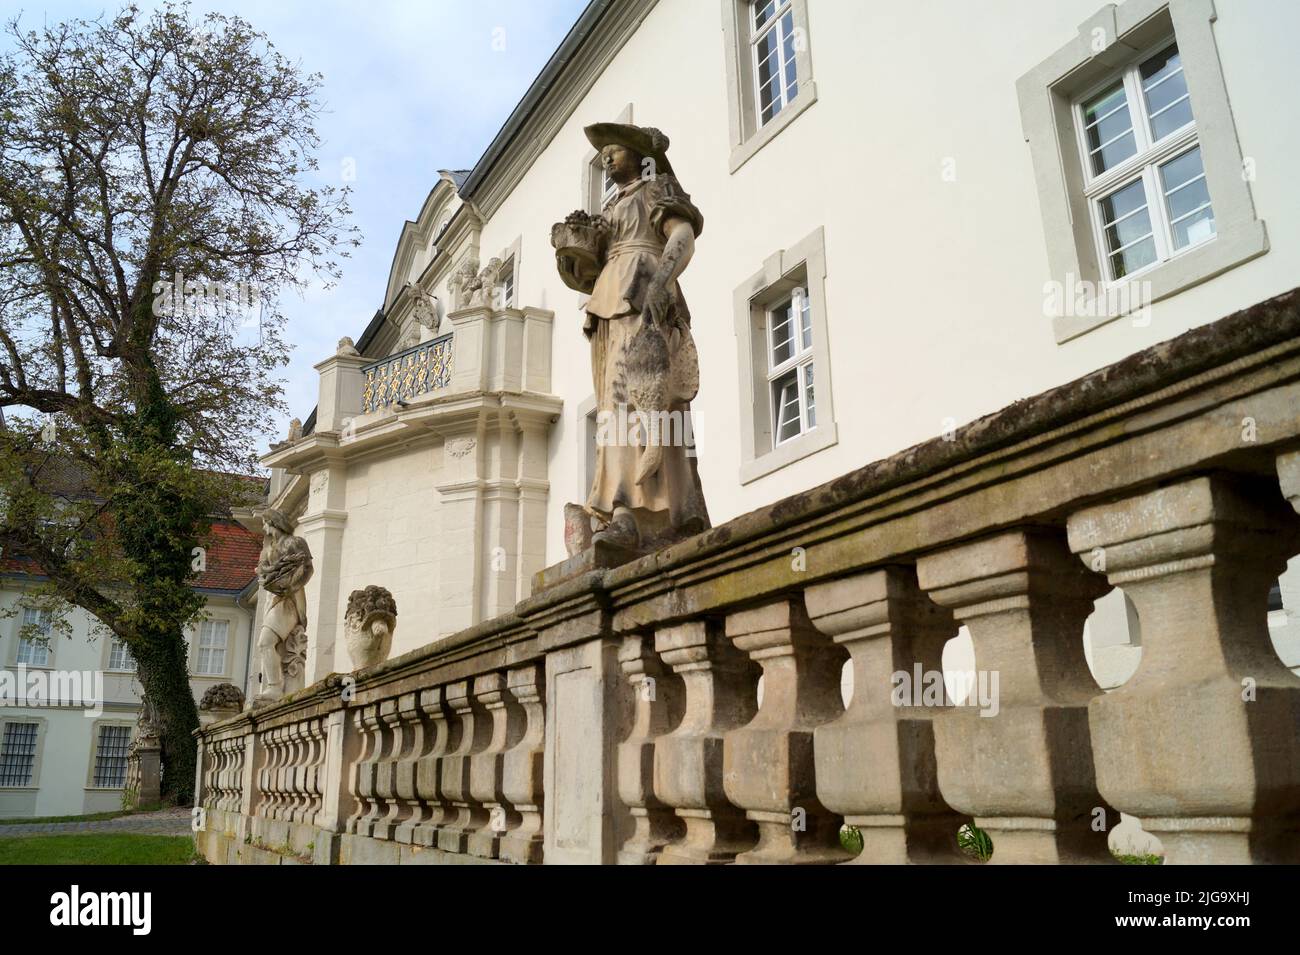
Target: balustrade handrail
413	371
1168	463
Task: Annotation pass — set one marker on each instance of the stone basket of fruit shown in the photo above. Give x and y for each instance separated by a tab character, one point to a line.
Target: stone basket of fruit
579	243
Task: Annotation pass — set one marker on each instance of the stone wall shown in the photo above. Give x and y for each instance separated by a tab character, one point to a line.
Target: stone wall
615	714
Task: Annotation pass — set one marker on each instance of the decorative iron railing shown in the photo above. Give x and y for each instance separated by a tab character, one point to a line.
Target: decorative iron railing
415	371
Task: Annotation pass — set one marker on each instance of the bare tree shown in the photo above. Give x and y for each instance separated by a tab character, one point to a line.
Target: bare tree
156	196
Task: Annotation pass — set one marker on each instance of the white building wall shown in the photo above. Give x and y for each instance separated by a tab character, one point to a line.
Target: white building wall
934	288
65	754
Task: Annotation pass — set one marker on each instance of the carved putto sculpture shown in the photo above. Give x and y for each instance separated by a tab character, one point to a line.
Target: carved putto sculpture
284	568
465	284
645	369
369	623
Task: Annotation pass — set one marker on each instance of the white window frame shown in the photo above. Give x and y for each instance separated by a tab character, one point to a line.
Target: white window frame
1114	38
206	629
1143	165
29	644
748	132
801	360
803	265
506	279
597	190
756	35
114	643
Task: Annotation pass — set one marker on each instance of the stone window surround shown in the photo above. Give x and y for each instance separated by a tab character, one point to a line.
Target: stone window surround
105	662
94	750
12	657
747	137
804	264
509	256
196	647
1047	94
590	172
587	425
41	723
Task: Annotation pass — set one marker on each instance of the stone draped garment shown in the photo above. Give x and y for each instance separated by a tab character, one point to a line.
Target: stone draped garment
670	503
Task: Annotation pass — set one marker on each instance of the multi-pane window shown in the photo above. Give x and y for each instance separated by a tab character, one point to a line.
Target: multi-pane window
119	657
772	40
17	754
213	635
506	284
110	756
790	368
608	188
1142	159
34	651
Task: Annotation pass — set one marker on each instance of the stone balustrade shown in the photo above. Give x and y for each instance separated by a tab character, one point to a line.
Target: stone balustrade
686	708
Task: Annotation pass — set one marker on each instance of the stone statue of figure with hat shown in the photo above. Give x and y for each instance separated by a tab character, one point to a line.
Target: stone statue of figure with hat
646	492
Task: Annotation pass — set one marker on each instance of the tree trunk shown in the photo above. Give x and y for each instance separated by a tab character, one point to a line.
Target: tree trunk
160	513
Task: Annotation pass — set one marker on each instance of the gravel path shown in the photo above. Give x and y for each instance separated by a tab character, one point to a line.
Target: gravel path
165	822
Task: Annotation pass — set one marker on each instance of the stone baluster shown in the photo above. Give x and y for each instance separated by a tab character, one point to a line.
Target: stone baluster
1020	762
362	783
414	810
299	760
398	737
467	816
656	702
718	696
443	735
876	763
229	774
768	764
486	768
314	774
522	776
268	775
1202	743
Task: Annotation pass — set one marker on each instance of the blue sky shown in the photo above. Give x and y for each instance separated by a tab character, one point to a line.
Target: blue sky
411	88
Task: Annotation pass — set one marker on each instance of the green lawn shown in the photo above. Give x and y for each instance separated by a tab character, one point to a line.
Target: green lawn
101	848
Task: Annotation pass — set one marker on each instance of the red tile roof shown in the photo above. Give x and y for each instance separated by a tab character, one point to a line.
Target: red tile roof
231	559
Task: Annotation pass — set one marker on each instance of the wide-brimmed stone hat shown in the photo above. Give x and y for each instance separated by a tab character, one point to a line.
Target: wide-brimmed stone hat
645	140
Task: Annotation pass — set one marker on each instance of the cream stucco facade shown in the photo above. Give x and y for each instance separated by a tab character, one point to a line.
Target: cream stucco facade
63	778
896	188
